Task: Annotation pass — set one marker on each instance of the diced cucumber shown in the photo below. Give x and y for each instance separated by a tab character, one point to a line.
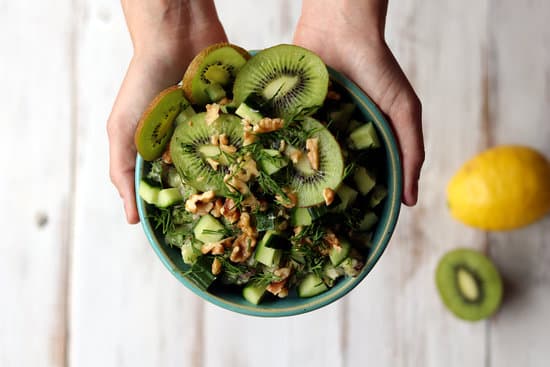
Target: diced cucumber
311	286
316	212
190	251
340	117
339	254
249	113
201	273
332	272
379	193
347	197
364	137
265	221
297	255
368	221
354	124
208	229
167	197
364	180
173	179
351	266
148	193
300	217
274	239
254	293
215	92
185	115
273	162
267	255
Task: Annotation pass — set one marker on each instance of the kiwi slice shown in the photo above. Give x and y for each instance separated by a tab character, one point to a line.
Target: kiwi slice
190	142
309	183
291	81
212	71
469	284
156	125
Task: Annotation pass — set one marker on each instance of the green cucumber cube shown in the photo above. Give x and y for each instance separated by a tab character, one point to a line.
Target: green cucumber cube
208	229
364	180
364	137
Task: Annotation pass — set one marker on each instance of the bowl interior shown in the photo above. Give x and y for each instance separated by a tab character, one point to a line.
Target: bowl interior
293	305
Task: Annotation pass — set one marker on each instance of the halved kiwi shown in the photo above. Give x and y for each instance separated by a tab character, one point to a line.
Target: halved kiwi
157	122
309	183
212	71
290	79
469	284
190	142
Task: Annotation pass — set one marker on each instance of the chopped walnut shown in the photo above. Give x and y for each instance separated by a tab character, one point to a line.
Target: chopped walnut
248	169
167	156
278	289
331	240
224	101
282	273
242	248
282	146
328	195
264	205
248	138
245	226
213	163
335	96
217	209
228	148
233	183
294	155
230	211
312	146
212	113
224	140
216	266
267	125
214	248
247	125
200	204
215	140
292	199
250	201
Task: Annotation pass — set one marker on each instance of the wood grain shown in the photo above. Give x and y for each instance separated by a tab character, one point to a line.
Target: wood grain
126	308
396	317
520	102
35	181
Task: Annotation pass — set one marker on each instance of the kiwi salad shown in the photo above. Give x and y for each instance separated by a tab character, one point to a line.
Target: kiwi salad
262	173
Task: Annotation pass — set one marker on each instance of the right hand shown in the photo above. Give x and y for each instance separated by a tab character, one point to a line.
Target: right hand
165	37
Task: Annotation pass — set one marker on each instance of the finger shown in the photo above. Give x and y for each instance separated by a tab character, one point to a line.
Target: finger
406	118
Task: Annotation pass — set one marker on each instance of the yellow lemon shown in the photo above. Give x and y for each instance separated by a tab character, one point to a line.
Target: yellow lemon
503	188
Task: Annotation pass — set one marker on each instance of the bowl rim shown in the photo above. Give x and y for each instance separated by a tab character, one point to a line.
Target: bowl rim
345	285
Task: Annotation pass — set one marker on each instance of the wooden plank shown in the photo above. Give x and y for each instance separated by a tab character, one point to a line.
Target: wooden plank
396	317
36	161
126	308
520	110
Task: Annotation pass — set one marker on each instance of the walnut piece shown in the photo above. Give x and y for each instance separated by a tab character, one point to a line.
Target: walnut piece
215	140
212	113
230	211
248	138
213	163
328	195
216	266
267	125
214	248
278	289
217	209
292	199
242	248
331	240
200	204
167	156
312	146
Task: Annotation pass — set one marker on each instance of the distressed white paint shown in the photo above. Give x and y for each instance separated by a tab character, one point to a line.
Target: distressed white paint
482	69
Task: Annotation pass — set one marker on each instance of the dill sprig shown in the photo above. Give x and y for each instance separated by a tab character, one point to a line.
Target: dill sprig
162	218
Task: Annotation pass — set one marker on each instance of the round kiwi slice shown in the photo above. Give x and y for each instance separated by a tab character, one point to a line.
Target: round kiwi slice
290	80
308	183
212	72
469	284
193	152
156	125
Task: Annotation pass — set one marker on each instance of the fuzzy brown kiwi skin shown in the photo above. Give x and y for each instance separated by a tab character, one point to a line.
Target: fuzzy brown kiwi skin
146	113
194	66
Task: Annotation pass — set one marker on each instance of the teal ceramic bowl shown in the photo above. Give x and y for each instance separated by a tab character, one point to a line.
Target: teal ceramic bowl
293	305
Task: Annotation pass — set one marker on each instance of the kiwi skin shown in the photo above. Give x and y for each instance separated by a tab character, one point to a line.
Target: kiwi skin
195	65
487	279
144	127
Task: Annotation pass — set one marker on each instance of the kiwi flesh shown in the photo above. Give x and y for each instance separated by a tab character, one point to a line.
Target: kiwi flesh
308	183
469	284
212	72
189	143
291	81
156	125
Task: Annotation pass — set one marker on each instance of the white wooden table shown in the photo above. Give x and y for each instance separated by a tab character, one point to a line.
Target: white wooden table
79	287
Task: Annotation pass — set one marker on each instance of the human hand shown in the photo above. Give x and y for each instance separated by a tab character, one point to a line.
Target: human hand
349	36
165	39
